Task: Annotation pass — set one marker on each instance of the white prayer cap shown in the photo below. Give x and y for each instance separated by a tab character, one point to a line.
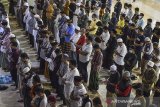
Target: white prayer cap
12	35
36	16
150	63
78	4
82	91
26	70
147	39
119	40
77	28
67	17
26	4
113	68
127	74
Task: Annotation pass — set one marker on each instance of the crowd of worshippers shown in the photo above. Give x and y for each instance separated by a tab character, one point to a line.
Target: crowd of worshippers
67	36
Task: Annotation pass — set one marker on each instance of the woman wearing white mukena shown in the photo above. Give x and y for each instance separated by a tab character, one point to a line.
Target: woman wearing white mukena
119	55
76	14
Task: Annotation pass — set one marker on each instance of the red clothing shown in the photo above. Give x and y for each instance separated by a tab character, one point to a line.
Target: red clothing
124	92
81	41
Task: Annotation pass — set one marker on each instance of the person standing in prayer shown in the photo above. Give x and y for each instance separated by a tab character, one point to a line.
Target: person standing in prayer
96	64
66	7
68	80
140	21
64	68
148	28
120	25
93	27
72	9
78	92
117	8
136	15
113	22
82	23
14	56
125	9
25	14
125	31
129	15
138	44
112	81
24	66
106	17
147	51
157	93
84	57
156	33
76	14
39	7
149	78
120	53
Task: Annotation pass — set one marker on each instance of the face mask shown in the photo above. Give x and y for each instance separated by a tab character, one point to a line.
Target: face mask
140	17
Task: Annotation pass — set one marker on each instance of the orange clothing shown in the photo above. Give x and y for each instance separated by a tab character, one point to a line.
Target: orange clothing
49	11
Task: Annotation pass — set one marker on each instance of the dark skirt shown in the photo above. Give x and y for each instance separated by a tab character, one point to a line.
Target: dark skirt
94	81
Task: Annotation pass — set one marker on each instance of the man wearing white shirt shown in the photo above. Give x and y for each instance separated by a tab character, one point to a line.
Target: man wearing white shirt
105	36
120	53
68	80
84	57
76	35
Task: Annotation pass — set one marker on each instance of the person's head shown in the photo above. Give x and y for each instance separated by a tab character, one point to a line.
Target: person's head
126	22
140	31
113	33
131	50
77	29
96	47
58	51
26	5
24	57
94	17
132	26
14	45
77	80
129	6
52	101
125	5
83	31
157	24
31	8
141	15
113	14
147	40
105	29
97	102
72	64
39	91
36	80
89	39
120	41
122	16
139	92
136	10
65	57
4	23
149	21
99	23
155	45
150	64
126	76
54	44
113	69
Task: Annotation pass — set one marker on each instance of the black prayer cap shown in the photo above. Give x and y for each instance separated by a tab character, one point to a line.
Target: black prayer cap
78	78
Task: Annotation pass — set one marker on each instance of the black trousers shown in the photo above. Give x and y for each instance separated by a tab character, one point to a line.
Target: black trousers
42	66
31	39
83	70
146	94
120	69
14	76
